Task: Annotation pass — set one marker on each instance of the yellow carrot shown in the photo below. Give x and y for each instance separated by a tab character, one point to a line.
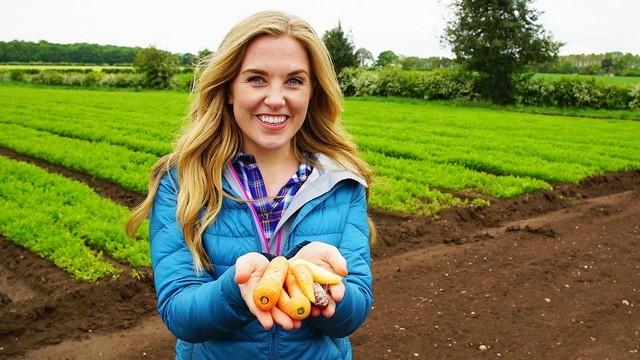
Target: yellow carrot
305	280
266	293
320	274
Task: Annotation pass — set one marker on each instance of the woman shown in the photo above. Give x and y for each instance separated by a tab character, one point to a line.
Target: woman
264	168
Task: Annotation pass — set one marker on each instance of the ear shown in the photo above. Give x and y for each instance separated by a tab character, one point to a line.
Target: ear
230	98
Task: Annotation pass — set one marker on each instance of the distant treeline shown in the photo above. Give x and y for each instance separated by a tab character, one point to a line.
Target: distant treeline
18	51
81	53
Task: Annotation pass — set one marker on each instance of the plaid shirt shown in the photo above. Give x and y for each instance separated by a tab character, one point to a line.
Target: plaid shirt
269	212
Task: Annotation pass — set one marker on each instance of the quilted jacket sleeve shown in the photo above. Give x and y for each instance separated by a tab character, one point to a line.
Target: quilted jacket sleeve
194	306
358	299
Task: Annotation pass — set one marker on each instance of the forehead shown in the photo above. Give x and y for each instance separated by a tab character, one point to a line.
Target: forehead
269	53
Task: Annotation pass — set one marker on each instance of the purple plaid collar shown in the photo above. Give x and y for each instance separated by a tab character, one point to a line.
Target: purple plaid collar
269	211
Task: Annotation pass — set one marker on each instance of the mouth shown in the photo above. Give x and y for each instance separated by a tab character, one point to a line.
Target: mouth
272	120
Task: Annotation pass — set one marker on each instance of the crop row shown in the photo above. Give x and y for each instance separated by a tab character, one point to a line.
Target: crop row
112	163
418	151
57	218
514	157
450	177
468	122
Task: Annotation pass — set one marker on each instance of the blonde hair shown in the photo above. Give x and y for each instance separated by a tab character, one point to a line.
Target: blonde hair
212	137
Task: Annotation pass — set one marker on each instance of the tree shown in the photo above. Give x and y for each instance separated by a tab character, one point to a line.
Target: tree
606	65
498	39
387	57
340	48
187	59
157	66
411	63
202	55
365	58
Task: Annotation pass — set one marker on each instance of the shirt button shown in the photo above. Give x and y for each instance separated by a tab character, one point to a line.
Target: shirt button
265	216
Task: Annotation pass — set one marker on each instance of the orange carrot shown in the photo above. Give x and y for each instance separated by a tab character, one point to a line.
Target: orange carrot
293	302
305	280
266	293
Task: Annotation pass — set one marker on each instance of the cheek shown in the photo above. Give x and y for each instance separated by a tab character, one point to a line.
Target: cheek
245	103
301	103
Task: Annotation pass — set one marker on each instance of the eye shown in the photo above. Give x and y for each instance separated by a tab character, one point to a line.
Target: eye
295	81
256	79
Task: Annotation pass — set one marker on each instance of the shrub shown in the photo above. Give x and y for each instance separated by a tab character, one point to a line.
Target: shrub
573	92
123	80
118	71
634	95
47	77
535	92
92	79
435	84
358	82
73	79
444	84
157	66
16	75
182	81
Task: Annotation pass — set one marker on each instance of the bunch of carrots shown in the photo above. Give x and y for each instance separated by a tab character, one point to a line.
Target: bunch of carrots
293	286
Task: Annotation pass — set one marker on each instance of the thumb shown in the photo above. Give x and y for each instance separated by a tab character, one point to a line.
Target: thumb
244	268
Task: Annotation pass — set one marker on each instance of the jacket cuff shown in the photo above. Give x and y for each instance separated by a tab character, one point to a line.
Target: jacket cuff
291	253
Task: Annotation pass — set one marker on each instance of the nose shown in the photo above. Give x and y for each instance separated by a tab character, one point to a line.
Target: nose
275	97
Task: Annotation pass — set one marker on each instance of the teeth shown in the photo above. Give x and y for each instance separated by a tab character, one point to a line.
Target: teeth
272	119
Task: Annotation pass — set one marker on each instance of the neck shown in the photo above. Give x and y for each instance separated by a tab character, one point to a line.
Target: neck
276	167
273	159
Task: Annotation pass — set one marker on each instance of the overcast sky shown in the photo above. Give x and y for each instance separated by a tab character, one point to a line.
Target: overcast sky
407	27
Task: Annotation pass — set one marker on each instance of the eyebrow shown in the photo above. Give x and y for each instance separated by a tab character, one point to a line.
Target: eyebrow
262	72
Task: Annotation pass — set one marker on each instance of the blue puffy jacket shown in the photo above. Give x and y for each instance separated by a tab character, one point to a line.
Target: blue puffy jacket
206	312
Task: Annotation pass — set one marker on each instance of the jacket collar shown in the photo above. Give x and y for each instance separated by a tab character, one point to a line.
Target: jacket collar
322	180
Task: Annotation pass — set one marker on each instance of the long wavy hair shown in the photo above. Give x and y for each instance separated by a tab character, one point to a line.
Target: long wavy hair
212	137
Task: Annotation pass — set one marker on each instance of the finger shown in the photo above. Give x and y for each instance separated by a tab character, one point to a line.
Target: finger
297	324
264	317
281	318
336	260
337	291
315	311
330	309
247	265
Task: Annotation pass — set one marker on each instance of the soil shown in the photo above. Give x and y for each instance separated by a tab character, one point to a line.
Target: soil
553	274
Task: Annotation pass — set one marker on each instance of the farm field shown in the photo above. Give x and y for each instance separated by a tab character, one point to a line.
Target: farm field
529	208
613	80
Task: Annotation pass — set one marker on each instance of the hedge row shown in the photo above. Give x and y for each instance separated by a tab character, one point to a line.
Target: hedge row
577	93
461	85
81	78
439	84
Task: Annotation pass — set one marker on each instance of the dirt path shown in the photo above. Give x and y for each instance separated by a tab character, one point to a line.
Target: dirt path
149	340
564	285
554	274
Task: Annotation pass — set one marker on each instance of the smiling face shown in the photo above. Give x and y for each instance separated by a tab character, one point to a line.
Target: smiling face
270	95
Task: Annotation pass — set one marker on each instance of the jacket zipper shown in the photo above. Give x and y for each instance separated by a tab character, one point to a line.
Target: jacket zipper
273	342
